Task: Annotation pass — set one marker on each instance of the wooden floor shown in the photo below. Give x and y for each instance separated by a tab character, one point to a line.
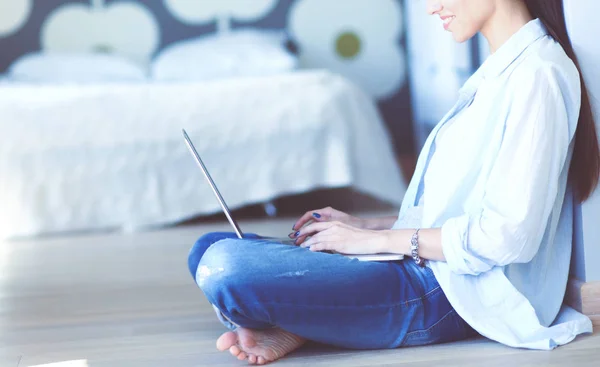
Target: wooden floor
128	300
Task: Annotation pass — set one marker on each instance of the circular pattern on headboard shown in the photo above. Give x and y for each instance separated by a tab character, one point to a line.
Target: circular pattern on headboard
205	11
356	38
102	28
13	15
348	45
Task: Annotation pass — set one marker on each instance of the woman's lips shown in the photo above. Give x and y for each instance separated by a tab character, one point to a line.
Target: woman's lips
447	21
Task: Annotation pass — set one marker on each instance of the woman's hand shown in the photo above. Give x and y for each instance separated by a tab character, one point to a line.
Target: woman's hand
342	238
327	215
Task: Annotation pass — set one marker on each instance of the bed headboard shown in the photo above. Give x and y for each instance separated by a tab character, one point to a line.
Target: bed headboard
362	39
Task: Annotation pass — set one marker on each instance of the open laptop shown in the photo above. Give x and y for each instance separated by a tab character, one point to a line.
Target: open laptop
285	240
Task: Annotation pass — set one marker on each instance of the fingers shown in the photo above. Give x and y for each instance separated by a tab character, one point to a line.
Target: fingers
314	240
314	230
322	246
314	215
307	217
300	240
323	242
311	230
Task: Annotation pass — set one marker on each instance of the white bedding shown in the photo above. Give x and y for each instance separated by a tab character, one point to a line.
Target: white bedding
112	156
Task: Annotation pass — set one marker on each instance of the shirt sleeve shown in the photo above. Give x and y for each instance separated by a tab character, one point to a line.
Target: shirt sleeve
523	184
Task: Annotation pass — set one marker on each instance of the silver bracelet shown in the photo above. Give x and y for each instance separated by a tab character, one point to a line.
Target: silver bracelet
414	248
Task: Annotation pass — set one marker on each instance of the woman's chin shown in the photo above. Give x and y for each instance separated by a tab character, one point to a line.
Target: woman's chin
461	37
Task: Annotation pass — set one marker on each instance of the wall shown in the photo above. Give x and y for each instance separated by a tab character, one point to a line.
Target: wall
583	29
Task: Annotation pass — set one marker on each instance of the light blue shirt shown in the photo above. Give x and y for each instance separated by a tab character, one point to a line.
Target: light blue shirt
493	176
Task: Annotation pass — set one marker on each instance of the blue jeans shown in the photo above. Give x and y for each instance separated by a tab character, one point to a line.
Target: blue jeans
323	297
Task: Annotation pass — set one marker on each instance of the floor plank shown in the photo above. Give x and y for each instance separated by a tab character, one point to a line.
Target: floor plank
9	361
128	300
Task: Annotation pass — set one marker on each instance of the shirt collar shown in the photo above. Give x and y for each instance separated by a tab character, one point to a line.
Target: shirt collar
508	53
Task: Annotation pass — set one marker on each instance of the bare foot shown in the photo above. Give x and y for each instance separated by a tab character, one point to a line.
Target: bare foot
259	346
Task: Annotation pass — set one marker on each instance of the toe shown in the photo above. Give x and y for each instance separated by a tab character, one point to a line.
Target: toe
261	360
227	340
252	358
235	350
242	356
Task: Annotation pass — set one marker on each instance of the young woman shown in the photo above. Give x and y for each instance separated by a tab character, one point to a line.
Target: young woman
494	192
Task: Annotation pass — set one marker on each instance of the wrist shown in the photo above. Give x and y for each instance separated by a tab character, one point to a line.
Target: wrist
397	241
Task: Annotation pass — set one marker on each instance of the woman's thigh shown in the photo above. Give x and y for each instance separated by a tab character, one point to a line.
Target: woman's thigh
327	298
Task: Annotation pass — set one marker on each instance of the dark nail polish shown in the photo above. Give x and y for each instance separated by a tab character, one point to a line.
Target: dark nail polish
317	215
297	233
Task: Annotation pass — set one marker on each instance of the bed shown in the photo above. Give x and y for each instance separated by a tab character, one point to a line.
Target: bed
112	156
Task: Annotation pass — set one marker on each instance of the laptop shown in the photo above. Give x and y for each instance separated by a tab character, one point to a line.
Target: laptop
285	240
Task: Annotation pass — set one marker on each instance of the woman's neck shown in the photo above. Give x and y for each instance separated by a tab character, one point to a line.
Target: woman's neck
505	22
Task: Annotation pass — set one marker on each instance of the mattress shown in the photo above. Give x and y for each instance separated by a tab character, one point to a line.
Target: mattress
112	156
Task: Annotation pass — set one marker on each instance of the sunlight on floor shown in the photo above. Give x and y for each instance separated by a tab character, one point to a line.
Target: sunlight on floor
78	363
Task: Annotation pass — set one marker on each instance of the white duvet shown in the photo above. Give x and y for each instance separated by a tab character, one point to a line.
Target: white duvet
110	156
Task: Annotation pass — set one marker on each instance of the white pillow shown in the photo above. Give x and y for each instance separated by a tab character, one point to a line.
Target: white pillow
237	53
74	68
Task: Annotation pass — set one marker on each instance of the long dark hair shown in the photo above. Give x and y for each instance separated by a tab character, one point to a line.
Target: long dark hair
584	171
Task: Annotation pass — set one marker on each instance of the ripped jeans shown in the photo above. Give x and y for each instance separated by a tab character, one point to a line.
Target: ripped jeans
322	297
